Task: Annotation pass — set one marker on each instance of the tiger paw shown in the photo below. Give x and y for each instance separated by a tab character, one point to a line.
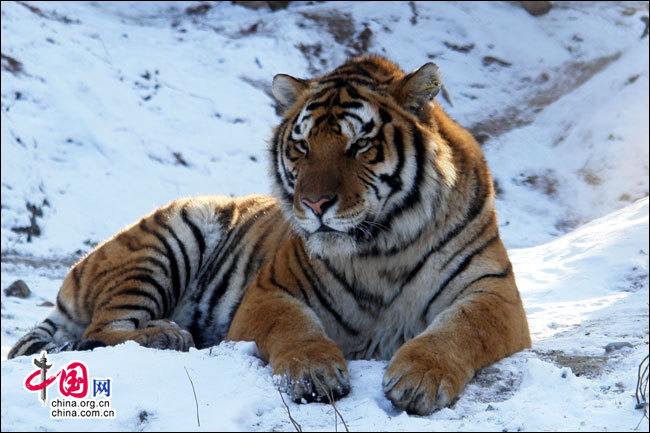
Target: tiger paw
420	381
313	371
165	334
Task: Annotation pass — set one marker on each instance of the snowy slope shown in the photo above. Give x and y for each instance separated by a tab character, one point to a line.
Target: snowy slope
110	109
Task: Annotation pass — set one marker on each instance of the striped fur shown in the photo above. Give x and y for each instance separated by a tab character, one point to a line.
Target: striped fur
380	241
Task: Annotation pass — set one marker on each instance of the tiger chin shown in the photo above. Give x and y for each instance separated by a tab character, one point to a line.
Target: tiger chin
380	241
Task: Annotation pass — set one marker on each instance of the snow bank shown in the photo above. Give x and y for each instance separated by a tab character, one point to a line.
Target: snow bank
581	291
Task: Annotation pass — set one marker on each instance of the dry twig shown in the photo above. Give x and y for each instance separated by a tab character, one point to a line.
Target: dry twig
196	402
295	423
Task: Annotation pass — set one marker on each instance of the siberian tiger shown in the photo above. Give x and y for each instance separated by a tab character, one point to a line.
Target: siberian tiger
380	241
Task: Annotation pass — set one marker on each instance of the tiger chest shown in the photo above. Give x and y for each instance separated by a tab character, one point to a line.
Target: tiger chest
375	313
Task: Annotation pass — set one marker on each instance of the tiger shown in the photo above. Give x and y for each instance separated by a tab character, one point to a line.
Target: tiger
379	240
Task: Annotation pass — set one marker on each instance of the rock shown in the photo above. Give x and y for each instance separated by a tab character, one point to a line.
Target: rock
46	304
617	346
18	289
536	8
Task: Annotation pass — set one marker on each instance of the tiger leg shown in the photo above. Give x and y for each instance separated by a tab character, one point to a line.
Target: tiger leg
54	334
125	287
485	325
156	334
289	335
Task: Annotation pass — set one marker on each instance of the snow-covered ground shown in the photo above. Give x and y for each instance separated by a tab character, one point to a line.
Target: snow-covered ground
111	109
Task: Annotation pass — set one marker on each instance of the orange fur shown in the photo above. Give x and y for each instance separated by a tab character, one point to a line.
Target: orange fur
412	268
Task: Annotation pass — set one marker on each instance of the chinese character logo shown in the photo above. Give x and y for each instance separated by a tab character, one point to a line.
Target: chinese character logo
73	379
101	386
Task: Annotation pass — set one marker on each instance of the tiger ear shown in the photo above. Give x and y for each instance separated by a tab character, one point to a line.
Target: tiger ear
418	88
287	89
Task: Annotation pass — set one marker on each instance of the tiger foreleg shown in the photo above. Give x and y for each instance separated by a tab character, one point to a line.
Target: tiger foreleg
289	335
429	371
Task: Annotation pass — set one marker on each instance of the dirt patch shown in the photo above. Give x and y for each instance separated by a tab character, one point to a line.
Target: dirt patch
493	384
12	258
49	15
580	365
461	48
200	9
10	64
548	88
491	60
313	54
344	31
589	176
545	182
339	25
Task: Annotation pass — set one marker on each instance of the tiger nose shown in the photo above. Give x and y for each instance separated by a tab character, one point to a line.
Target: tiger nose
319	205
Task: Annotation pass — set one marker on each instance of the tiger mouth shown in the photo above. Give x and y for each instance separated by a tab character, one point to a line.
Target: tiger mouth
356	232
324	228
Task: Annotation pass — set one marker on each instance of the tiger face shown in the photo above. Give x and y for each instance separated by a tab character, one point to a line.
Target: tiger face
349	155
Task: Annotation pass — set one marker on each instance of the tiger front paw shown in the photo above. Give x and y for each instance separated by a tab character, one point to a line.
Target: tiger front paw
420	381
313	371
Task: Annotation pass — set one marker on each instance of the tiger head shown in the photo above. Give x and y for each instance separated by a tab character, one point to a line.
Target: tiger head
351	157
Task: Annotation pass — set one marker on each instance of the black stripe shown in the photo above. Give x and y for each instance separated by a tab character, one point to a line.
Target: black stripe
134	291
369	126
352	115
475	208
46	330
275	155
162	292
132	307
64	310
181	246
459	269
365	300
160	265
503	274
301	288
314	105
394	180
344	81
100	290
298	282
320	119
198	236
101	279
256	251
171	257
488	224
317	289
34	347
225	250
50	323
350	104
219	291
218	257
413	196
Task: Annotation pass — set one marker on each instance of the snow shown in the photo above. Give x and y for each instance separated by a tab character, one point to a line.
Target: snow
126	106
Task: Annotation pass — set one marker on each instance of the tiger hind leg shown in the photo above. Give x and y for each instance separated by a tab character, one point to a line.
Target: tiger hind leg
54	334
157	334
